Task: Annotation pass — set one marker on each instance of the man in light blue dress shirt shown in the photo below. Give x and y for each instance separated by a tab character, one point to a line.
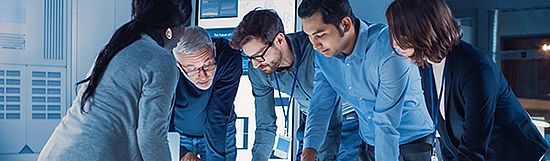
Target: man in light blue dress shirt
357	63
286	62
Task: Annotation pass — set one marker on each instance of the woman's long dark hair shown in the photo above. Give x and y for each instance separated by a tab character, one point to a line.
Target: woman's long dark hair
151	17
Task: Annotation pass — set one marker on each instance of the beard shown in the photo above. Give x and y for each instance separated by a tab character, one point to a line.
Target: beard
271	66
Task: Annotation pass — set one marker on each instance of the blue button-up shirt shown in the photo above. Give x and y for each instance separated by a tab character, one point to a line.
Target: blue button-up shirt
384	88
263	86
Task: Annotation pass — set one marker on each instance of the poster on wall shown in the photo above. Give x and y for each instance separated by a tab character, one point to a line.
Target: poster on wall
12	15
218	9
219	14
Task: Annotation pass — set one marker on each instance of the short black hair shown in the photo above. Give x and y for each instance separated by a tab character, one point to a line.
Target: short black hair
333	11
263	24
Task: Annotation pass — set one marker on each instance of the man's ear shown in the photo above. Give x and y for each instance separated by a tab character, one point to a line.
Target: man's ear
346	24
279	38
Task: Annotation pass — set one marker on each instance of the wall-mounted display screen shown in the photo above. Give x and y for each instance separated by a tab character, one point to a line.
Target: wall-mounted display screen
214	14
218	8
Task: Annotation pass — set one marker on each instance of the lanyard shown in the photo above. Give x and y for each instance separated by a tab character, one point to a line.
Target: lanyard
435	105
285	112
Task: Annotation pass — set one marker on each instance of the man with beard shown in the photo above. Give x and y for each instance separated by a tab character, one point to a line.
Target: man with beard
286	63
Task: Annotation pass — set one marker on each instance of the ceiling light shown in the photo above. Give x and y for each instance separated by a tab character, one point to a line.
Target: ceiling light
546	47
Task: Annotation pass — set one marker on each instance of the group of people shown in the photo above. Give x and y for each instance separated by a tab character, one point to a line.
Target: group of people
366	91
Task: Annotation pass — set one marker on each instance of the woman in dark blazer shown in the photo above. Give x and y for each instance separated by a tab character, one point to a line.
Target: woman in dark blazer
479	117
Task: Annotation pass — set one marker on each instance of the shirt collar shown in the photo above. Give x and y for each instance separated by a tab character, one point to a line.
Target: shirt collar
360	47
294	45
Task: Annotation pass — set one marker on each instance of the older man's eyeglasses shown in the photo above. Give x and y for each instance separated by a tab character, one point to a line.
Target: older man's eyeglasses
197	70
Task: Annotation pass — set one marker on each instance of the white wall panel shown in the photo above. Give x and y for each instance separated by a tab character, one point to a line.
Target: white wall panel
12	118
47	103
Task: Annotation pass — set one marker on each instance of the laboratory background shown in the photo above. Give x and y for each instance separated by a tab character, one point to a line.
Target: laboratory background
47	46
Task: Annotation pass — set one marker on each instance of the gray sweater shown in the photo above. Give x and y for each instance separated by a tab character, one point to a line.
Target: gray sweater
127	117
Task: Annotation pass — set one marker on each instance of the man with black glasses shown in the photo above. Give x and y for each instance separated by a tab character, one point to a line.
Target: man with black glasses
210	74
286	63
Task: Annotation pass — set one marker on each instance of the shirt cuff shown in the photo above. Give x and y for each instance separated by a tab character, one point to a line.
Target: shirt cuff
313	142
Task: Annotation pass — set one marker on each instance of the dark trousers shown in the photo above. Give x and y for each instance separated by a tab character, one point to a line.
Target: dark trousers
418	150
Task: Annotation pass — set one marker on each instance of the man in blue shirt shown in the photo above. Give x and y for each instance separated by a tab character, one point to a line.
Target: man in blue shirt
210	74
285	62
356	63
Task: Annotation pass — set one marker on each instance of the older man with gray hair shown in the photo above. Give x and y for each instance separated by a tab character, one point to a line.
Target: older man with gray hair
204	111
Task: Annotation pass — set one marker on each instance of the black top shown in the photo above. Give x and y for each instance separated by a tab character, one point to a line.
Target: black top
484	119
